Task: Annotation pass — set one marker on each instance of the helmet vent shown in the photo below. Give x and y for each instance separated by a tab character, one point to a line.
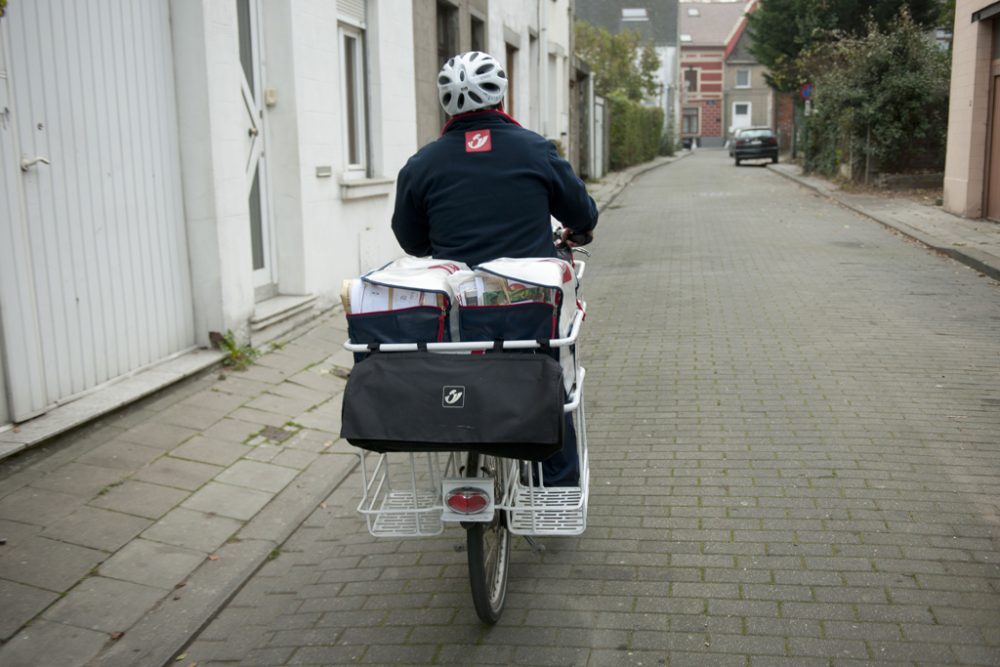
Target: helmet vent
461	75
489	87
446	99
443	80
501	74
483	69
461	101
475	98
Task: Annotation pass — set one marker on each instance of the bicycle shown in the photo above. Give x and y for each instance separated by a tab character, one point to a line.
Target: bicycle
415	491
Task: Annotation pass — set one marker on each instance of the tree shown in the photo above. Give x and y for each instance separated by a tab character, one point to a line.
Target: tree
620	63
881	100
782	29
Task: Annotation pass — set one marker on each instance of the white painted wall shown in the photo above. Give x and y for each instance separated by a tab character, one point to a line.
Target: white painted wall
542	86
213	156
517	18
326	228
325	234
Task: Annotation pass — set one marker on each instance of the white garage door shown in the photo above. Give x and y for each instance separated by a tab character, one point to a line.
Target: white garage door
94	277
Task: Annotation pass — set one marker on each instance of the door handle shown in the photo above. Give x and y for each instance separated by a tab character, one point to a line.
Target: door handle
27	164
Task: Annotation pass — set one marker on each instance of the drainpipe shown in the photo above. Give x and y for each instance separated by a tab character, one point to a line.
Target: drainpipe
543	68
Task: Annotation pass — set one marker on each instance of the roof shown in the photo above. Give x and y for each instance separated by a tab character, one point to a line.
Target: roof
660	24
710	23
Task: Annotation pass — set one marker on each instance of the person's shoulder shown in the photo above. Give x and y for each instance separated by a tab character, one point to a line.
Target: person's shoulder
426	153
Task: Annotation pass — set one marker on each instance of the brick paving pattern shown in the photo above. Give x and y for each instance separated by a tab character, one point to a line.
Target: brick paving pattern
794	419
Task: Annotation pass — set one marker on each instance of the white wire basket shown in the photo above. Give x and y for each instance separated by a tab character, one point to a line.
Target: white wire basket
402	492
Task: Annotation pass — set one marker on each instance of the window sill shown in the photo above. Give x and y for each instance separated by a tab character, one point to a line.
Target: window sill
365	188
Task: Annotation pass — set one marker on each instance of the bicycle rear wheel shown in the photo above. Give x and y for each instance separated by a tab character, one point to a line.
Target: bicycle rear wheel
488	546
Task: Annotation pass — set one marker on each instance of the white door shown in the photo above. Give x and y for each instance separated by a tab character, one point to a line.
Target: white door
741	115
264	274
94	274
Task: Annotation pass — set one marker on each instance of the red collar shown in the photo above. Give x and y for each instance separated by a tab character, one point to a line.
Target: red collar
472	114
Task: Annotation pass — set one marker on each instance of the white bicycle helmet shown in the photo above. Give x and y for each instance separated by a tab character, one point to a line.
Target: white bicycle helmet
471	81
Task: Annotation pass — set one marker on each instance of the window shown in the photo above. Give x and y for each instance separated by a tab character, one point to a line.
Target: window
510	69
685	37
447	41
689	121
693	11
742	78
634	15
691	80
478	29
353	88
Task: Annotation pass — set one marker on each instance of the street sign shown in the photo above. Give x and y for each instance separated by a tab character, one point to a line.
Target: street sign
806	91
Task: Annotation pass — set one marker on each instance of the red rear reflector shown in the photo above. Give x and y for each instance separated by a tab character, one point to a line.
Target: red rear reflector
467	500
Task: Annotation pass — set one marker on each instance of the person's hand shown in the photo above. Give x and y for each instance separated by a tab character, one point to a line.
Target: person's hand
573	239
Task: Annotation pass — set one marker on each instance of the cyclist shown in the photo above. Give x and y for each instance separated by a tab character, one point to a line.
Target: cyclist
487	188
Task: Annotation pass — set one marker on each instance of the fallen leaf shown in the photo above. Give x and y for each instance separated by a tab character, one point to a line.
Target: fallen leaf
181	584
115	636
214	557
322	506
327	443
180	657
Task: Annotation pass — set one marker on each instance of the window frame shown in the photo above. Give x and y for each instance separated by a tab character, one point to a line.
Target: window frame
697	79
354	100
743	70
690	112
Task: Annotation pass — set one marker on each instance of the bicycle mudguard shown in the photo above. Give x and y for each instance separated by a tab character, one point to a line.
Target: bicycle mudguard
498	404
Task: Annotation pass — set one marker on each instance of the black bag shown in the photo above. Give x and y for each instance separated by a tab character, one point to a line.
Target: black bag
507	405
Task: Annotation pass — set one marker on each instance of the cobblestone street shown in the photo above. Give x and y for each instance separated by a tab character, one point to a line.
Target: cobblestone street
794	426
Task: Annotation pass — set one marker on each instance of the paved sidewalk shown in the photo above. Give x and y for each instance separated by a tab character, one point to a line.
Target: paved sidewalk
975	243
121	539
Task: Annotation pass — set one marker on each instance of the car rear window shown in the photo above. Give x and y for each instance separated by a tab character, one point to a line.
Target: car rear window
756	134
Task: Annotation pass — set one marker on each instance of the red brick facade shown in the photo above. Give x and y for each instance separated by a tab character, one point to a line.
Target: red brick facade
711	118
784	119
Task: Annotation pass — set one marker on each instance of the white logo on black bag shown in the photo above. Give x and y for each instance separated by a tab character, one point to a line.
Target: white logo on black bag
453	397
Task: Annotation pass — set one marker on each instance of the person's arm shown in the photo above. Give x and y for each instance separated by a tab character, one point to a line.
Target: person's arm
409	219
568	198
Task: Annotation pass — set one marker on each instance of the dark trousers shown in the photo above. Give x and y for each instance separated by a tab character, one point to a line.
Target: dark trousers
563	467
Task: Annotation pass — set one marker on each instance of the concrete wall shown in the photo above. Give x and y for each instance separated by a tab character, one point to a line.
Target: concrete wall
968	113
213	156
328	223
759	95
515	22
426	62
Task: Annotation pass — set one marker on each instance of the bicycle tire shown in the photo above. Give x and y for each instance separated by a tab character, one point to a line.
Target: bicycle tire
488	547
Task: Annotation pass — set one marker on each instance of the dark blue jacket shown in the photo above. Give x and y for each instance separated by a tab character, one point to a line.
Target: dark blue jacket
485	189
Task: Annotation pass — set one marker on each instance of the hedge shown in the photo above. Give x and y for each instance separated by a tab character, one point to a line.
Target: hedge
635	132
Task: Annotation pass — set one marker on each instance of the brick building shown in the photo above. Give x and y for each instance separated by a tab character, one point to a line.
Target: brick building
707	29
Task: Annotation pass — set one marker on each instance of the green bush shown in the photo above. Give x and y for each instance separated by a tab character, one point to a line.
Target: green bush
668	143
881	103
635	132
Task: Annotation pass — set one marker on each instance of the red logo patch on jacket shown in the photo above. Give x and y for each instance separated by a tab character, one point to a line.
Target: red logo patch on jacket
478	141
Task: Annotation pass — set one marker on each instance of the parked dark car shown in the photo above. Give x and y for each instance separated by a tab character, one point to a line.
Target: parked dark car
756	143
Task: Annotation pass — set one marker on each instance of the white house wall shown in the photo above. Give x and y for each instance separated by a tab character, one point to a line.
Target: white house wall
213	157
516	21
327	224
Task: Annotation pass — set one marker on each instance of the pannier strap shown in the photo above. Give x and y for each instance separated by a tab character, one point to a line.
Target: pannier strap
544	343
422	346
498	344
374	347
